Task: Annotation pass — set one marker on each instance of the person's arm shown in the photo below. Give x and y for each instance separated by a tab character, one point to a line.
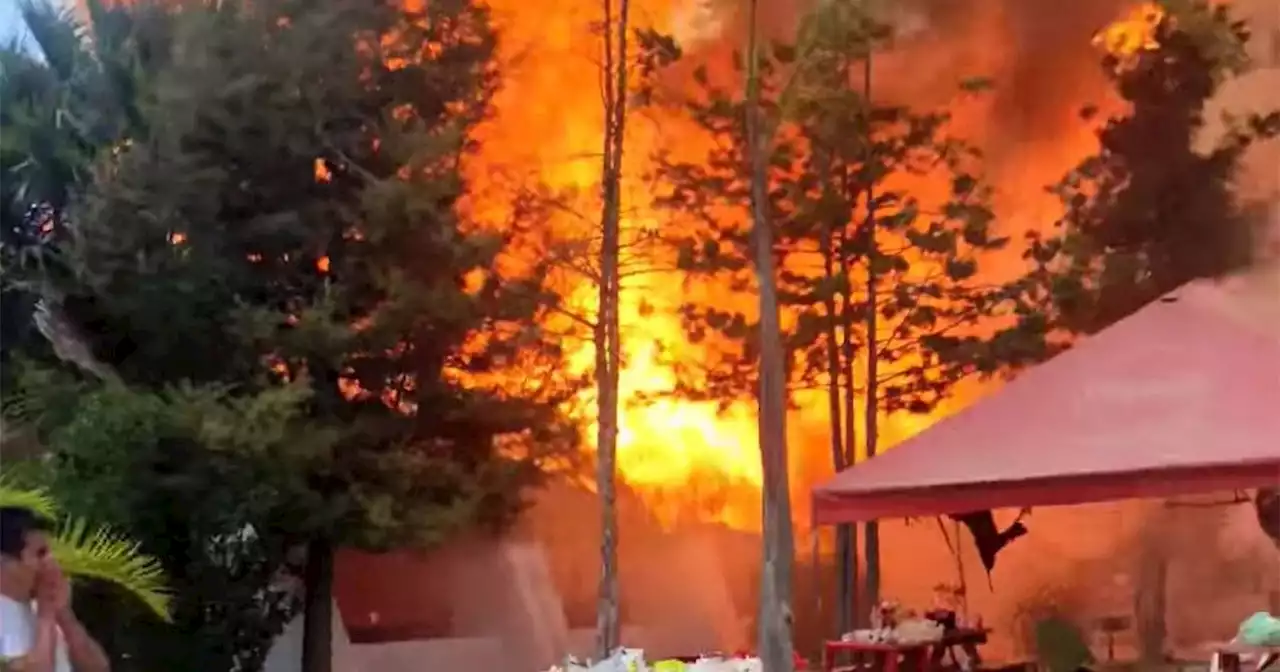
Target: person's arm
42	655
85	653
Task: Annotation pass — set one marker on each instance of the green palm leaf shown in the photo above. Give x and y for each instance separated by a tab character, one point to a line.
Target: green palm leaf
98	553
57	34
35	499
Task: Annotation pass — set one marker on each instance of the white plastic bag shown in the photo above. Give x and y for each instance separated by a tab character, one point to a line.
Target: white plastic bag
622	660
723	665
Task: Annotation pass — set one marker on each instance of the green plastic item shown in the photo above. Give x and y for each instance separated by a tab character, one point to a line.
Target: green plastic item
1260	629
1060	646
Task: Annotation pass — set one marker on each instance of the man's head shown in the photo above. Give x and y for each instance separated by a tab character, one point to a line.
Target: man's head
24	550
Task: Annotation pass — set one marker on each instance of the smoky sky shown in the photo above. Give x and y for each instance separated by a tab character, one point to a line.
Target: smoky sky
1038	55
1051	69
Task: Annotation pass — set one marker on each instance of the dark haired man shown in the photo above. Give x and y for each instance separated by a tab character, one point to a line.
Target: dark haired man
48	637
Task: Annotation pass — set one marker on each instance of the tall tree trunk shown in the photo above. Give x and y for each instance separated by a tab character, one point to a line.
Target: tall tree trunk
317	625
844	553
871	424
850	422
608	353
962	582
1151	593
775	616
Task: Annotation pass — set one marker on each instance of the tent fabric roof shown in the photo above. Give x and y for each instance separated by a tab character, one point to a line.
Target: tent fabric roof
1181	397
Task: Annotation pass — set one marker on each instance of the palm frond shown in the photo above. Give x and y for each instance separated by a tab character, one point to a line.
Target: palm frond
95	552
98	553
37	500
56	32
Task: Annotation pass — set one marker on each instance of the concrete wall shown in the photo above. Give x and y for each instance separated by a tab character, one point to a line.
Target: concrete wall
476	654
485	605
286	654
472	591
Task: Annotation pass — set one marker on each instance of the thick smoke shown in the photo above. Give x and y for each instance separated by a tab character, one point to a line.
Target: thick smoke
1043	70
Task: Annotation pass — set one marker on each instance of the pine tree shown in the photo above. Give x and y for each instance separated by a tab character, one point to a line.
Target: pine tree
1149	211
873	268
778	541
603	251
288	221
615	38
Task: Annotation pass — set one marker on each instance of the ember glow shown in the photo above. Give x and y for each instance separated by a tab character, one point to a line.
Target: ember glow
690	458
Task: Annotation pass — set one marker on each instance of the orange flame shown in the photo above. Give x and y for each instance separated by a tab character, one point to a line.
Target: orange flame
664	443
682	457
1133	33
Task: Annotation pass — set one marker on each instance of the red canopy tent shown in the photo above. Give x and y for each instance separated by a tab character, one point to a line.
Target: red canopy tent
1181	397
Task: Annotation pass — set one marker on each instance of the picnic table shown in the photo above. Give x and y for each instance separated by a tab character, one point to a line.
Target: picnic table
925	657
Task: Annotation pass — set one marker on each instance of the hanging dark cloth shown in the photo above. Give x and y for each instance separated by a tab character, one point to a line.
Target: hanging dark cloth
1267	505
989	540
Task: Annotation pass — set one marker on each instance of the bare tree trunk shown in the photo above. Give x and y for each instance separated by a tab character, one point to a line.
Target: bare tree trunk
844	551
317	623
851	431
775	617
871	423
1151	594
962	581
608	353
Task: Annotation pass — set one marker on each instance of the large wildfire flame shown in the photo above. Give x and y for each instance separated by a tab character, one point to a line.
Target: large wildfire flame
548	130
700	460
687	458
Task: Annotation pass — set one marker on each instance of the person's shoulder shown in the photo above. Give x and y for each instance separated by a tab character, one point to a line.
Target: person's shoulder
16	628
11	609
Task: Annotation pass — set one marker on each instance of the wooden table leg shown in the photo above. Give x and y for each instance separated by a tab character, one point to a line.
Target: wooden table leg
925	656
936	653
971	650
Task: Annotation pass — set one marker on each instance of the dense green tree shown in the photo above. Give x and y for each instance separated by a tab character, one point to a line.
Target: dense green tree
295	323
193	475
1150	210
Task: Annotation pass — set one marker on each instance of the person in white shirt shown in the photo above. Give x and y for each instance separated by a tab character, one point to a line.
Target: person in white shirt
38	630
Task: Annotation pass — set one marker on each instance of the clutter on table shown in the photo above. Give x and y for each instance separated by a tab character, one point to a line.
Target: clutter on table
632	660
891	624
